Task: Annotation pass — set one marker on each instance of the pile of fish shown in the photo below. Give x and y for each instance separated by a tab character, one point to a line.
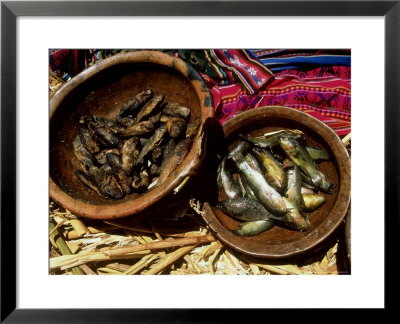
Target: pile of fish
272	180
138	150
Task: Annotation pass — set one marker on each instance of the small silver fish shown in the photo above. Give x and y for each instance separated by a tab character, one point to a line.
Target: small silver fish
265	193
270	140
294	218
293	190
317	154
244	209
254	228
297	152
311	202
246	190
273	170
226	182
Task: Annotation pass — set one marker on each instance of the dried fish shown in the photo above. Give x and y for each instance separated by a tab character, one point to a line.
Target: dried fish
176	126
101	157
107	137
89	140
155	118
106	181
143	128
152	143
169	148
156	154
141	180
88	181
192	128
126	121
149	107
81	152
144	176
174	159
155	170
114	160
136	182
132	105
104	122
129	153
176	109
136	149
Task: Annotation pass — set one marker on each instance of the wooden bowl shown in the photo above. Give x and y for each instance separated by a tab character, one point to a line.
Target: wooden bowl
280	242
101	90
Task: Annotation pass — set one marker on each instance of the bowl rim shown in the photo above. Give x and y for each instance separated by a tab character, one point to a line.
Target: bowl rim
188	167
315	237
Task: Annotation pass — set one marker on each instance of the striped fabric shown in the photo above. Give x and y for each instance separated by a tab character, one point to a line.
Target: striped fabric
252	74
323	91
283	59
316	81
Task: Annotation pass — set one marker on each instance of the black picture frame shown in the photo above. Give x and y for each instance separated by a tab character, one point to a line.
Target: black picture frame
10	10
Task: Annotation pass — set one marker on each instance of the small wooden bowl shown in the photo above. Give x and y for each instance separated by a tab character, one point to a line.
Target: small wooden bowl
101	90
280	242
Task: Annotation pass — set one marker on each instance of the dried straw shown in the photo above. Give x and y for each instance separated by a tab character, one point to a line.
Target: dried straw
62	247
160	245
170	259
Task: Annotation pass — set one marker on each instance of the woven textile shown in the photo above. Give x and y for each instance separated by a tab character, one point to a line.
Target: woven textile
321	90
316	81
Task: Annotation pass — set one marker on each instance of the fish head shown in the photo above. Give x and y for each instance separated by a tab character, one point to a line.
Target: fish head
288	144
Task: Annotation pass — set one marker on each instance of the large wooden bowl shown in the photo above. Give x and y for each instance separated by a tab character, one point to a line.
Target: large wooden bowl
101	90
280	242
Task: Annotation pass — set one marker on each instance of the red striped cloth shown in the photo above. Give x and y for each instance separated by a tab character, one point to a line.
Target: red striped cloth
323	93
250	72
